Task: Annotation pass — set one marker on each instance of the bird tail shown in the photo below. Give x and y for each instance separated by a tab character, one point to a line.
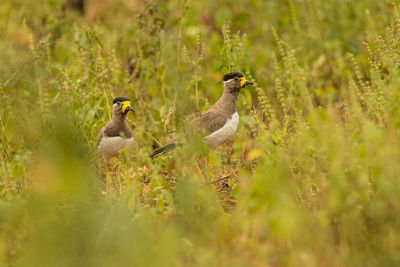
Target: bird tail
164	149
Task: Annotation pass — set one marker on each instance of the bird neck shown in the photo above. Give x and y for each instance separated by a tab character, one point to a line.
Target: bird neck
119	116
228	101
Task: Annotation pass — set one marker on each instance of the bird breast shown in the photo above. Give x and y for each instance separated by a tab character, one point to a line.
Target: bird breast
110	146
224	133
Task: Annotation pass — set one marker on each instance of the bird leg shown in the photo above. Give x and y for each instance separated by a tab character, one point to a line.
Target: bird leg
106	179
196	163
229	152
116	182
210	169
109	172
119	184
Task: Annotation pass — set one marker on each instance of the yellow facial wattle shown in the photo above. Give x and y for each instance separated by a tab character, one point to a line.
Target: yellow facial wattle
242	81
125	105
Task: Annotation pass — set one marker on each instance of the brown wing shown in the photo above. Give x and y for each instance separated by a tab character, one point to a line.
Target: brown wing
210	121
99	138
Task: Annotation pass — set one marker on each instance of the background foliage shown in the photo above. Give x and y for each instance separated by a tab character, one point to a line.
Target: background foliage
310	179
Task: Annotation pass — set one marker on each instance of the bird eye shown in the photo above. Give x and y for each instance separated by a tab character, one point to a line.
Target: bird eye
236	78
118	103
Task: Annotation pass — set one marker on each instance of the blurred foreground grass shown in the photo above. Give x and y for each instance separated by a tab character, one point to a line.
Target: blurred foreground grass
310	179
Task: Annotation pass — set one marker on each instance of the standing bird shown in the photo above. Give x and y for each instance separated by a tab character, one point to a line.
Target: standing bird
220	121
116	134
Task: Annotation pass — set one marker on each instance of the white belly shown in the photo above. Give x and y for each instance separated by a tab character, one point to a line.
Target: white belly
110	146
224	133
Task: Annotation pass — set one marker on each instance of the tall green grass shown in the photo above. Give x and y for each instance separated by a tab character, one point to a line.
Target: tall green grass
310	179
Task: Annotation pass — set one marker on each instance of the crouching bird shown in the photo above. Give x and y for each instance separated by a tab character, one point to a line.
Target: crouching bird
116	134
220	121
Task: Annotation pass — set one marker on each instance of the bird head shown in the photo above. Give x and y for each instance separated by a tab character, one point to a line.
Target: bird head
234	81
121	106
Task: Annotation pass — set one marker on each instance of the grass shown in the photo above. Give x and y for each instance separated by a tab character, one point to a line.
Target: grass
310	179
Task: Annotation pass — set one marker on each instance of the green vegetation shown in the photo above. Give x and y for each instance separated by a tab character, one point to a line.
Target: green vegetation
312	177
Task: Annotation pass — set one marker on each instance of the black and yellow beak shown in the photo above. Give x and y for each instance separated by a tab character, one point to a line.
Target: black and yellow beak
244	82
126	106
